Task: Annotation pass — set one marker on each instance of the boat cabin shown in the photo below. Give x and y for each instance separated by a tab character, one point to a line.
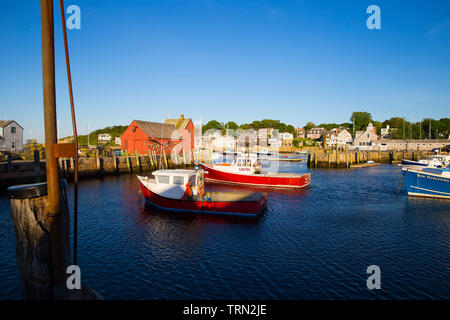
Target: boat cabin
175	177
246	162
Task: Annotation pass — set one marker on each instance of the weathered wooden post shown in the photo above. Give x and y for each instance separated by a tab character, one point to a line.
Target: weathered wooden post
337	157
150	158
156	160
346	158
115	166
99	161
315	159
165	159
29	205
138	161
128	161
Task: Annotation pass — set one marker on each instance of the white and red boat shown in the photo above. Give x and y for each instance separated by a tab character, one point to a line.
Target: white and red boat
183	191
247	172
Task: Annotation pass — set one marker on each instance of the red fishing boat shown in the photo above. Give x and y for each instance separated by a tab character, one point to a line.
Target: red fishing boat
247	172
183	191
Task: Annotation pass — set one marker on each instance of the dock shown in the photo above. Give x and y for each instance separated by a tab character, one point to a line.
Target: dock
347	159
365	165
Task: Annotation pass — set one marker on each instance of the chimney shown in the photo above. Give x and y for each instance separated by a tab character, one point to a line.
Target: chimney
182	117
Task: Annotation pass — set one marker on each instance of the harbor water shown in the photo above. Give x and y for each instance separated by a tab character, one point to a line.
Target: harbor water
314	243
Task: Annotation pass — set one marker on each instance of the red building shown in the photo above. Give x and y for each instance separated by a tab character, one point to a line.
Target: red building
142	136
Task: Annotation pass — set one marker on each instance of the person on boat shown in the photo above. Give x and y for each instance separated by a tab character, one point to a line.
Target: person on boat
200	181
188	191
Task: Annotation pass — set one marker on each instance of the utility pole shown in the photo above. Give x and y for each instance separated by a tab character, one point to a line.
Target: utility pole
429	129
403	129
353	118
420	131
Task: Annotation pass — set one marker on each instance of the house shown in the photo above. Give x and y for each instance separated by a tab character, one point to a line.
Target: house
286	139
300	132
315	133
186	127
142	136
337	136
11	136
366	140
117	141
104	137
384	132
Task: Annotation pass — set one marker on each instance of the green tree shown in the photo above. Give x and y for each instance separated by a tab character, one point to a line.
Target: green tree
309	126
231	125
213	124
361	120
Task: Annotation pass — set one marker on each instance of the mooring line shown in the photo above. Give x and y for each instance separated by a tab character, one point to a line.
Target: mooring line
75	137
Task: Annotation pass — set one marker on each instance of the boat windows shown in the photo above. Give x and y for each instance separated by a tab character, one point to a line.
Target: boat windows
178	180
162	179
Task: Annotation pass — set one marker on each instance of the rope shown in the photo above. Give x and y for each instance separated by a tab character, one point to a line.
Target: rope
404	176
75	136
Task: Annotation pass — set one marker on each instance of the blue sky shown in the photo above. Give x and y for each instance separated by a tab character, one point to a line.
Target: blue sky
295	61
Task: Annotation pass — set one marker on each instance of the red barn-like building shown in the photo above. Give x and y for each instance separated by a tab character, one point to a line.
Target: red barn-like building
142	136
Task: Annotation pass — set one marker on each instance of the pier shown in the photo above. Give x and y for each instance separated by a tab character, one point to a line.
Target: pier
347	159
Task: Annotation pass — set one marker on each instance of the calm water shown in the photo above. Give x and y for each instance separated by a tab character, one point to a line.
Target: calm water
310	244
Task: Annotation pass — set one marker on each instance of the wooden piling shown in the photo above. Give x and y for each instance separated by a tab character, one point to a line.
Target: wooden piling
315	159
29	205
128	161
150	158
165	159
138	162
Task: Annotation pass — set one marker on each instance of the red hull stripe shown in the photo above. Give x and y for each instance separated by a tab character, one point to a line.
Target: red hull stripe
271	181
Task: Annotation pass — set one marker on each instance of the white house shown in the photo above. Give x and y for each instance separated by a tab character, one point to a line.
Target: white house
340	137
104	137
11	136
286	139
384	132
315	133
366	140
118	141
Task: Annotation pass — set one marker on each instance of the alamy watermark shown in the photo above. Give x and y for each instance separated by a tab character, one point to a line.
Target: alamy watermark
73	20
374	280
374	20
74	279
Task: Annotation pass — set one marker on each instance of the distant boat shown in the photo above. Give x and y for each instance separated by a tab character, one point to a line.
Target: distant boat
435	161
282	157
248	172
429	182
182	191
